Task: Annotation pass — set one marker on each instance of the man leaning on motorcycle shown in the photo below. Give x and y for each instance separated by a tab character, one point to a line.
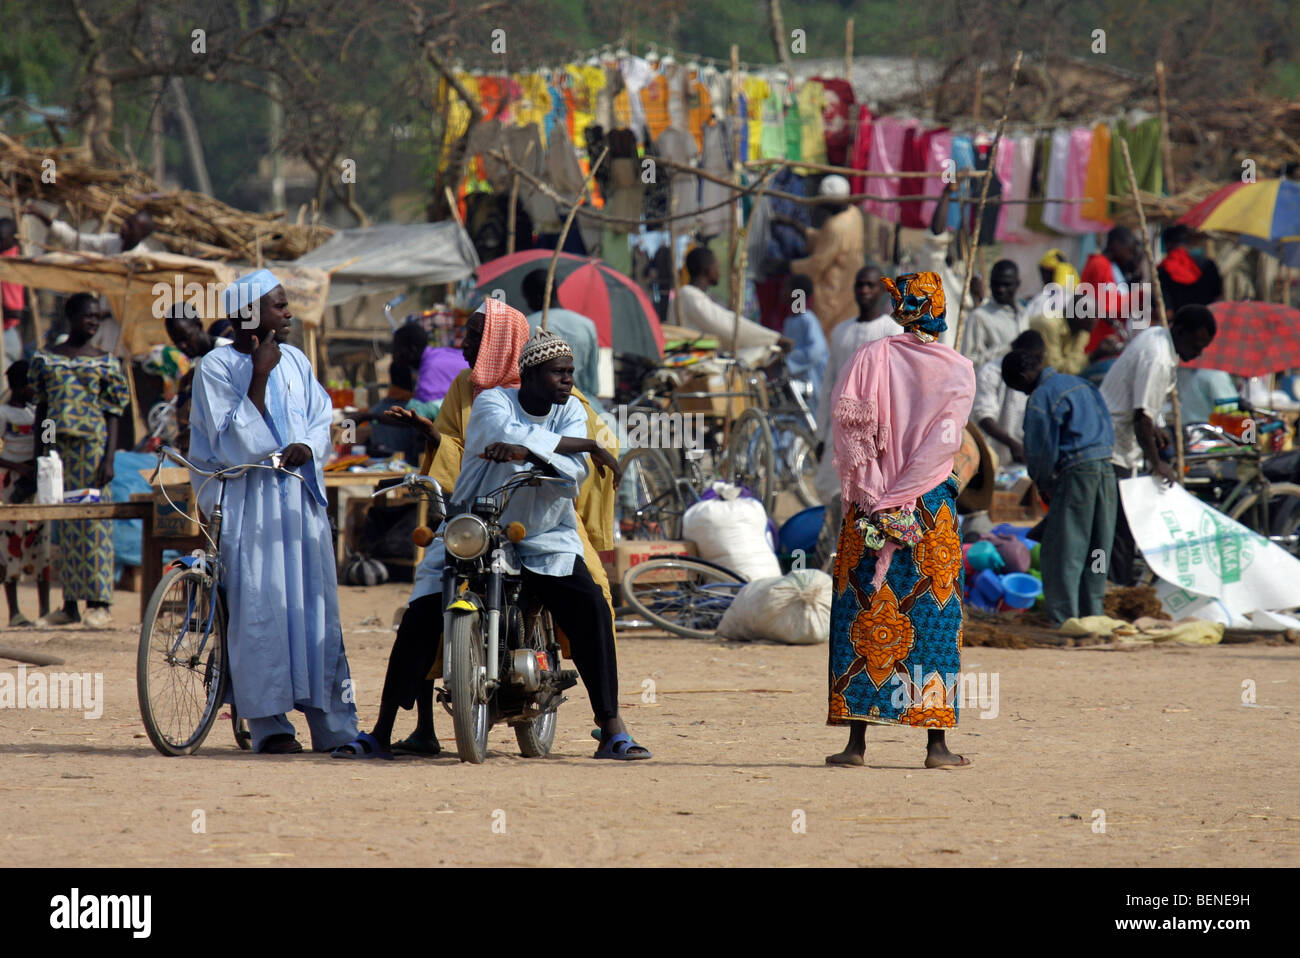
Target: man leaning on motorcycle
537	426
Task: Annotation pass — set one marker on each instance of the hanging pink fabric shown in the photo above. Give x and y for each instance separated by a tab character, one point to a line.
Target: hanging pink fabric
861	149
1006	166
1020	154
887	137
938	152
1076	183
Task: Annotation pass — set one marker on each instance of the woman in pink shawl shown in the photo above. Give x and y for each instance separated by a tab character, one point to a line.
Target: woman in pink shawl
900	408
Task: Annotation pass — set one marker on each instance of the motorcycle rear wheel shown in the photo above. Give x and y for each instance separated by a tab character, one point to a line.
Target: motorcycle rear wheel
469	713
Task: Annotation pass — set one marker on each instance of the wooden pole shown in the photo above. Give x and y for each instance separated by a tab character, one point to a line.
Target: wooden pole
734	280
1165	153
848	50
559	243
979	95
984	196
1157	299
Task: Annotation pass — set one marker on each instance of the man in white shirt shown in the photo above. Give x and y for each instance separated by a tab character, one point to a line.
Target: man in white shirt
1135	389
998	410
990	329
695	310
133	234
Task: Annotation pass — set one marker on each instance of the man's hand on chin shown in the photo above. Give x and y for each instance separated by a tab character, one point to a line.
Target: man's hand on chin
296	455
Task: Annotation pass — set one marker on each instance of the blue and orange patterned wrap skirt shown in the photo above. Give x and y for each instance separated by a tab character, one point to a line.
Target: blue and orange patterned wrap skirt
895	652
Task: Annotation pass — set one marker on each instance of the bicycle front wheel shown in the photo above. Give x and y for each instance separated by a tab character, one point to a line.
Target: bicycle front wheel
1283	515
684	595
796	462
181	669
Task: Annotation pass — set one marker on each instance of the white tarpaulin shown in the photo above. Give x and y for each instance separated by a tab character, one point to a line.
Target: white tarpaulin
381	258
1200	550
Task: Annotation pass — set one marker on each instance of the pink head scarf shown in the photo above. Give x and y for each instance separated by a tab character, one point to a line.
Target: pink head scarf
505	333
901	406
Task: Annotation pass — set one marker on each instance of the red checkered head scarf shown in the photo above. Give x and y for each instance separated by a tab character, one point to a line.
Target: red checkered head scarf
505	333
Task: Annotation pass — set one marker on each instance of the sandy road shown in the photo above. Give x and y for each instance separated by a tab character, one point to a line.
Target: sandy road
1157	740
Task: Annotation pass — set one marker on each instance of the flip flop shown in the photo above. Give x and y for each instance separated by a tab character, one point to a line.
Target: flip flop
416	745
363	746
282	744
964	763
620	747
21	621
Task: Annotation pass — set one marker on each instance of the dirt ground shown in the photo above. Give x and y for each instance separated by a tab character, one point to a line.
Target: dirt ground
1155	744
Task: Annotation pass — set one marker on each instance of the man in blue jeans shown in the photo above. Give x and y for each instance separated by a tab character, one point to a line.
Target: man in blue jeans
1068	441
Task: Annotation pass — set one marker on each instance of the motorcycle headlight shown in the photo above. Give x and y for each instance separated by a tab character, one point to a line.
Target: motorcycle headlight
466	537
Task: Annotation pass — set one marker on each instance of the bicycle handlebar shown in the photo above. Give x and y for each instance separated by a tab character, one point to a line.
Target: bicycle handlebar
230	472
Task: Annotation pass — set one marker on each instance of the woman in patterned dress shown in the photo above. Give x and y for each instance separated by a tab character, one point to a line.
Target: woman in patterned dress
83	391
900	409
26	544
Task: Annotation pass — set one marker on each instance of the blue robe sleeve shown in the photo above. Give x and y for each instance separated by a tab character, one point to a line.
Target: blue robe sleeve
231	425
319	419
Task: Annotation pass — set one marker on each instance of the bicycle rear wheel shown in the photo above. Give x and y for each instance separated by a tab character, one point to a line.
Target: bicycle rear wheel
1283	515
684	595
181	665
750	460
647	504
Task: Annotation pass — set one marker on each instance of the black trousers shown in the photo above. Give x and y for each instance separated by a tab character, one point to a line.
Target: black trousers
1123	550
576	605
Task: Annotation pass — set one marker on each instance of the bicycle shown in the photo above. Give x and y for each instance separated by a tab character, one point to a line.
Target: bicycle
658	488
182	676
685	595
1234	479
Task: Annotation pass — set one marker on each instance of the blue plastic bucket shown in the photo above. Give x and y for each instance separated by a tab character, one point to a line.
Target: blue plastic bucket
1021	589
802	529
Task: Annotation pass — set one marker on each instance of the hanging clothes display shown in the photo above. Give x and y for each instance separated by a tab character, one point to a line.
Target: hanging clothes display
1144	150
1015	164
678	146
1076	176
811	100
1037	181
629	109
772	120
757	92
988	226
861	156
654	99
1059	159
626	191
936	148
1097	181
837	119
888	134
714	159
963	158
534	102
793	127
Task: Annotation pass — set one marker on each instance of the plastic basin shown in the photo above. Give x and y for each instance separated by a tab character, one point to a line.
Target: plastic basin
1020	590
801	530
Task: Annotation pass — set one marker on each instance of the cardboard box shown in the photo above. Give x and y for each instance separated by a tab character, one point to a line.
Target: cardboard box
629	553
173	522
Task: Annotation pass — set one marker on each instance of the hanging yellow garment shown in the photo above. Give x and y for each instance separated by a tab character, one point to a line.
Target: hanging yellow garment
1096	181
534	102
586	83
756	93
812	129
456	121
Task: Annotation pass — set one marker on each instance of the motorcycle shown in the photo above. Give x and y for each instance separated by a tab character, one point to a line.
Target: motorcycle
501	658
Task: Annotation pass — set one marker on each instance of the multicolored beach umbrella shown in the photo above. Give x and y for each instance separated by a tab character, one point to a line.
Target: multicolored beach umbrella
1265	215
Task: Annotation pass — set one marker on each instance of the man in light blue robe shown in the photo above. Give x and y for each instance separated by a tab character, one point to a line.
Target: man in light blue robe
253	398
539	425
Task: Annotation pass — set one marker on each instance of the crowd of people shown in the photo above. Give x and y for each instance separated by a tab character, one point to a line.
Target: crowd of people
1074	395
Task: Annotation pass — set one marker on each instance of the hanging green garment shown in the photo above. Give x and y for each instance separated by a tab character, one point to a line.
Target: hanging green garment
1144	150
793	131
1038	186
772	139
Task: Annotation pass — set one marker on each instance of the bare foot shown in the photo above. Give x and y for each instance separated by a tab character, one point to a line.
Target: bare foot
846	757
936	758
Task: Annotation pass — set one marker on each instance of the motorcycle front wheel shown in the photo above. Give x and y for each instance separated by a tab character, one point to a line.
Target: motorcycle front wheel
469	711
536	738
